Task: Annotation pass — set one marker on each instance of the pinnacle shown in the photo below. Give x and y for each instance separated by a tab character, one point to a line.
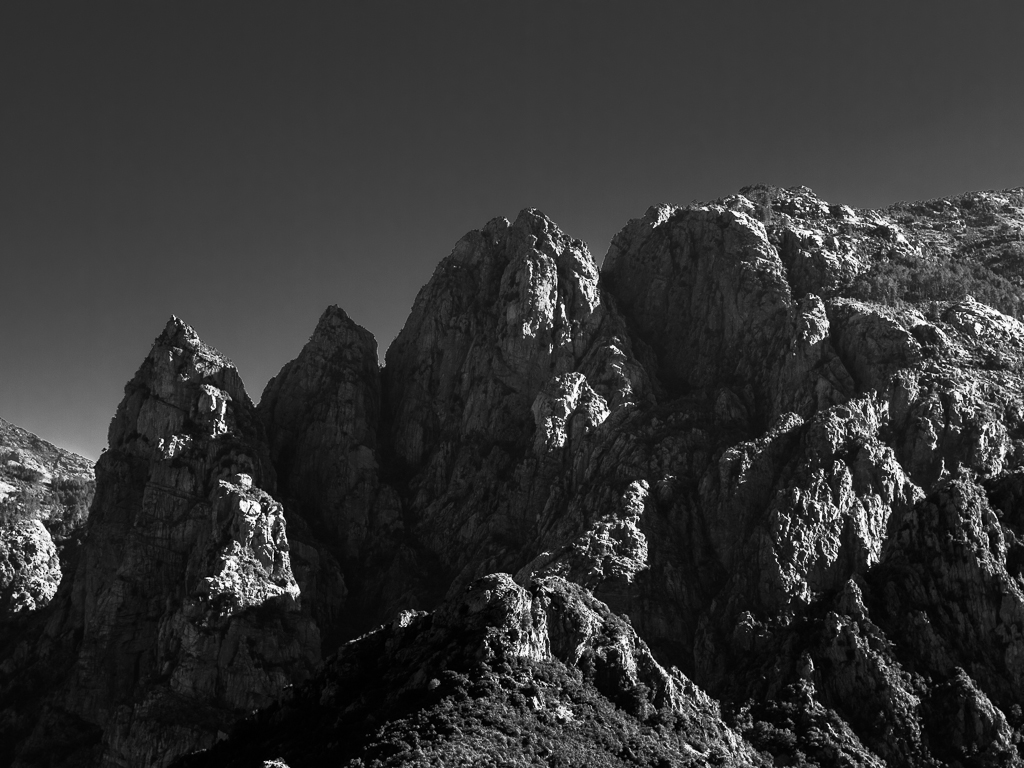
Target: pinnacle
178	333
334	312
535	222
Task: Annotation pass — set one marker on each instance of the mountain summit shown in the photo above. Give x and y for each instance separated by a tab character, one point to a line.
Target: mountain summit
748	494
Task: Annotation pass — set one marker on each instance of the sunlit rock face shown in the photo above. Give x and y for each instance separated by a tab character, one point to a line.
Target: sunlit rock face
45	494
29	566
512	307
184	611
784	437
509	365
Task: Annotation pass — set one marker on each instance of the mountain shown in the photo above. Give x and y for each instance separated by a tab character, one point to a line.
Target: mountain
748	494
45	493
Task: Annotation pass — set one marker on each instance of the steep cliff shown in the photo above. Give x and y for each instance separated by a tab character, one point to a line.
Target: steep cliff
498	674
183	612
510	362
45	494
322	416
741	435
784	437
826	436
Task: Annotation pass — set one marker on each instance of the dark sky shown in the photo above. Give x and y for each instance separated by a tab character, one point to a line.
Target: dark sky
243	165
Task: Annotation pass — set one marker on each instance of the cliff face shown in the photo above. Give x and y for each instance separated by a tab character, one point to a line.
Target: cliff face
183	612
511	360
322	417
836	446
784	437
710	293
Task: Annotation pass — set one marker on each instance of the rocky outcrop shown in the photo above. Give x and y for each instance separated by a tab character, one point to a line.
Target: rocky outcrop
322	416
511	359
709	292
512	307
789	515
45	494
785	438
183	613
29	567
550	644
728	428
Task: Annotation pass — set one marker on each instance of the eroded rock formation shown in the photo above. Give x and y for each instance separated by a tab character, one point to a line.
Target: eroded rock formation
785	438
545	645
183	613
45	494
322	417
510	363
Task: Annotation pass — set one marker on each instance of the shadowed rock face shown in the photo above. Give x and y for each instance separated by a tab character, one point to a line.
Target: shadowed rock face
722	436
507	364
183	612
777	433
709	292
322	414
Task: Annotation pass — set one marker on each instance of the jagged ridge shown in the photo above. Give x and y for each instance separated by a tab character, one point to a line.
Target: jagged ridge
776	433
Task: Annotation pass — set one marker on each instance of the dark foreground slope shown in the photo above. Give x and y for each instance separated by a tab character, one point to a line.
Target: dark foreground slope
500	675
785	438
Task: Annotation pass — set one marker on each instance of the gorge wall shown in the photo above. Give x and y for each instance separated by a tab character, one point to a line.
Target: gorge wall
784	438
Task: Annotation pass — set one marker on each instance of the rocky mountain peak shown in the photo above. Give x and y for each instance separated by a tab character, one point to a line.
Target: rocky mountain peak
322	418
178	333
184	599
525	290
184	390
334	330
783	437
707	289
45	494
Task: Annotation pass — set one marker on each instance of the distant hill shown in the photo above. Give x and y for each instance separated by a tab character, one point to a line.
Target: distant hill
750	493
45	493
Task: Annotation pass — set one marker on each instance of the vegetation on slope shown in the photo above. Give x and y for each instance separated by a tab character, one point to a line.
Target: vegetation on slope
39	481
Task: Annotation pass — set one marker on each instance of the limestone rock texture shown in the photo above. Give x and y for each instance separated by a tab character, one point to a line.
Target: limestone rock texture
748	493
183	612
45	494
